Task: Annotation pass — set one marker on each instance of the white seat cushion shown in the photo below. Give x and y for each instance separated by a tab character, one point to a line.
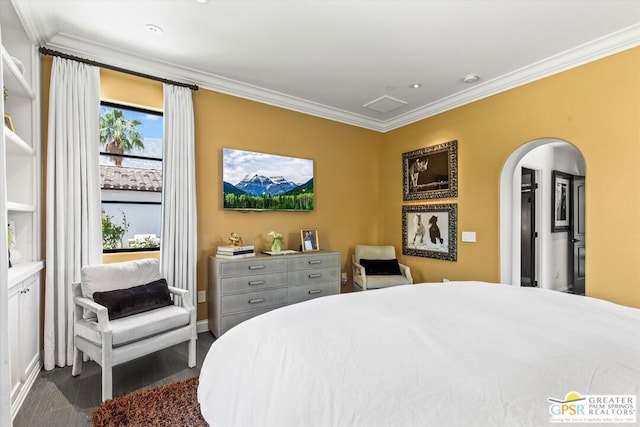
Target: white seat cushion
138	326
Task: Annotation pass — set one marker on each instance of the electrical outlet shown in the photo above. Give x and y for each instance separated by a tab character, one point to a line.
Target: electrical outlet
345	280
202	296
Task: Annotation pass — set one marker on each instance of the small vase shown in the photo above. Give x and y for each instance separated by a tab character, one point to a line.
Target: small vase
15	256
275	246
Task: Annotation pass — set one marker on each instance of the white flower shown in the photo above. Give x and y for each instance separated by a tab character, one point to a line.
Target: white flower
276	236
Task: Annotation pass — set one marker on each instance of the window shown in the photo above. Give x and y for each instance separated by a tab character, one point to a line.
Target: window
130	177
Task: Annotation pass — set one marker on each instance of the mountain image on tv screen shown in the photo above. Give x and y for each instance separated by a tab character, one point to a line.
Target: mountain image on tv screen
259	181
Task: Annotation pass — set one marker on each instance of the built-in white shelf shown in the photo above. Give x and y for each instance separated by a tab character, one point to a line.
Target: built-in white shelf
16	75
24	270
20	207
17	145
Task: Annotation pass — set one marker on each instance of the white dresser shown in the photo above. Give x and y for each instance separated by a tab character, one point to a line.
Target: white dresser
243	288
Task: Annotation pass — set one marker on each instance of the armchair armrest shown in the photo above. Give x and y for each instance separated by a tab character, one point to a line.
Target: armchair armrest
178	291
358	269
359	274
100	310
406	272
183	295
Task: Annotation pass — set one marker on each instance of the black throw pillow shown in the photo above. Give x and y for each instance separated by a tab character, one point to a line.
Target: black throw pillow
381	267
134	300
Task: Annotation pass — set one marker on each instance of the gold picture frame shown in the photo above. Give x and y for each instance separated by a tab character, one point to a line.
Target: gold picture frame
8	122
309	239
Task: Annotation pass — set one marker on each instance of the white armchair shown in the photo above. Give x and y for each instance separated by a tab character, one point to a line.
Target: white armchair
125	336
384	272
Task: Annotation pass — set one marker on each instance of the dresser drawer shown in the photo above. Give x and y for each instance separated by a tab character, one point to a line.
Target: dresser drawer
231	320
314	261
303	293
234	285
307	277
253	300
253	266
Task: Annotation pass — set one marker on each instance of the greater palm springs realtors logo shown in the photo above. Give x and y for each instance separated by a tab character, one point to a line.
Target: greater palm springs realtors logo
575	408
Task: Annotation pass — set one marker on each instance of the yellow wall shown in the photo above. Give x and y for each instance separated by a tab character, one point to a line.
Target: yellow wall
596	107
346	177
358	176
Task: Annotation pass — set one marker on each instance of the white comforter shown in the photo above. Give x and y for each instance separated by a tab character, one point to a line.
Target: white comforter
456	354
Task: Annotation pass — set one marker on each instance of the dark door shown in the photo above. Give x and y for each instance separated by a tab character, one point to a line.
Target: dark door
577	237
528	229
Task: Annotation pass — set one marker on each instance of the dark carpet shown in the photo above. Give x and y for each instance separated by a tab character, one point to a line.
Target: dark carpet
168	405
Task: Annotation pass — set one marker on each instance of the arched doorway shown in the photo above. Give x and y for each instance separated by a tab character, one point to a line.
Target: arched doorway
554	261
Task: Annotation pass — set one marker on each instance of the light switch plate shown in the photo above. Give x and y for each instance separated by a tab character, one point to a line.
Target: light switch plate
202	296
468	236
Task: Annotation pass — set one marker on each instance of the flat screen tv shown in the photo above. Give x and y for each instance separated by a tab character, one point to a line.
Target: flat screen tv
259	181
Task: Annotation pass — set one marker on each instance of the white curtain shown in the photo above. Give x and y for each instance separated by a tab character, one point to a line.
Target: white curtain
179	221
73	198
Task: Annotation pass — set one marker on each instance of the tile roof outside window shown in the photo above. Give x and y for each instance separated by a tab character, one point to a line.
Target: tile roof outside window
124	178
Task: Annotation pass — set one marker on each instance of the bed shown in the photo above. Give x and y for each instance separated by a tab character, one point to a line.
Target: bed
433	354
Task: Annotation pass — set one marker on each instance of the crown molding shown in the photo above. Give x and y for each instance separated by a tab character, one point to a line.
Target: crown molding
610	44
37	30
98	52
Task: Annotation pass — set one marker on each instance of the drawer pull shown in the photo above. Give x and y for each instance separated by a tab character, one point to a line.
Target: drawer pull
256	282
256	301
315	276
315	261
256	267
315	291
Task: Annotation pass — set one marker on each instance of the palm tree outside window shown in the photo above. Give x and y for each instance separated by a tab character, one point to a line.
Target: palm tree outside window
130	177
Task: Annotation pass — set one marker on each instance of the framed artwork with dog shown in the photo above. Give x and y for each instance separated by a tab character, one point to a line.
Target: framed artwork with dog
430	231
430	172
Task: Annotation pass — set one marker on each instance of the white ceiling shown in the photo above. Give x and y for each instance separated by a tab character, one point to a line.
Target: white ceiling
329	58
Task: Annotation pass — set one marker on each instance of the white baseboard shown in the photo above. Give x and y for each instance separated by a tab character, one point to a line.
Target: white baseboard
202	326
32	374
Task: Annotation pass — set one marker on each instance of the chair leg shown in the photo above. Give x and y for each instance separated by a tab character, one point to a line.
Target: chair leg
192	352
107	383
107	366
77	362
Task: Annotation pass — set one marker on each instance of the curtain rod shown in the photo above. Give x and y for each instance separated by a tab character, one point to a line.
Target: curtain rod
49	52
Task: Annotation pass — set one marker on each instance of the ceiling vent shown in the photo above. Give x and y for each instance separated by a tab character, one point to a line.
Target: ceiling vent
384	104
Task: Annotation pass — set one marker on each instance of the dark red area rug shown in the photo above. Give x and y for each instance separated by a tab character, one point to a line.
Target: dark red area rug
168	405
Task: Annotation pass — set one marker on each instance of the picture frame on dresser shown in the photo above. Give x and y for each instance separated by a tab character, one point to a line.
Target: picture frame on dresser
309	240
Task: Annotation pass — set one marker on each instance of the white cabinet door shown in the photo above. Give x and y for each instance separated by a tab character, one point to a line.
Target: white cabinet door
24	336
30	326
14	340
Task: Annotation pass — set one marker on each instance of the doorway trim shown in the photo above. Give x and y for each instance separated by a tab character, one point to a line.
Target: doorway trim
510	212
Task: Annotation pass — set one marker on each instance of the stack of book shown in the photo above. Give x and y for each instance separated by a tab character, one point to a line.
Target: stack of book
232	252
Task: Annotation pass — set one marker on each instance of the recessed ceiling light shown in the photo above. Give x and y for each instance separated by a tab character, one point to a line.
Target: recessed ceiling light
154	28
470	78
415	85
